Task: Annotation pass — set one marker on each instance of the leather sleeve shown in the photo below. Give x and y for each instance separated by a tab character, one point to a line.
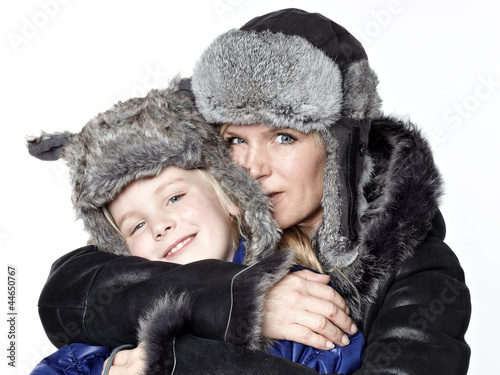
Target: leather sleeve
97	298
188	354
422	314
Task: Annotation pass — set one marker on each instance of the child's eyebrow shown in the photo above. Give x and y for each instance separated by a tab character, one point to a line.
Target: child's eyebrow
123	218
163	186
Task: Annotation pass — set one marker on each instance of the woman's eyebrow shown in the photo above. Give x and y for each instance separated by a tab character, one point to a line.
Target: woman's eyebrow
229	132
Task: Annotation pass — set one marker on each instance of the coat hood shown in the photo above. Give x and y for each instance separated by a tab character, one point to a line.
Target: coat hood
137	139
401	208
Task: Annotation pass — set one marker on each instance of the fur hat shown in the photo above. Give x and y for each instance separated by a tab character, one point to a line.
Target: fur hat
300	70
137	139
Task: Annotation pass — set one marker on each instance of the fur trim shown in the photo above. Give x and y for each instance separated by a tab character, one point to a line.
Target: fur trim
158	329
345	171
251	287
288	82
267	78
139	138
402	197
361	100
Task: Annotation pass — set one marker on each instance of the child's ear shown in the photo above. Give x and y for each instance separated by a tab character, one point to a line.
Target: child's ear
234	210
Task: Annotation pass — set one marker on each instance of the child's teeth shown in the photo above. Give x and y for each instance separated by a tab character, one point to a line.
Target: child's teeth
180	245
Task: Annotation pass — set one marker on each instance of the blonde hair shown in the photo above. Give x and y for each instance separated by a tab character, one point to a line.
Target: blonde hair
223	128
226	203
296	239
318	139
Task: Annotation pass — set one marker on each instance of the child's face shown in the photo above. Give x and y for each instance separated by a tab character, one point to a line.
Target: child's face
174	217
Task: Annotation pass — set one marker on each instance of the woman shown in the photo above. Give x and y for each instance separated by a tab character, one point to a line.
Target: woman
380	233
380	236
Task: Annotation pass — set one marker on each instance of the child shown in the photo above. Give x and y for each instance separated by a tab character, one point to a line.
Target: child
151	178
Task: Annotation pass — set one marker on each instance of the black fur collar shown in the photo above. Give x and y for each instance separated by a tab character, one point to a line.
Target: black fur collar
402	199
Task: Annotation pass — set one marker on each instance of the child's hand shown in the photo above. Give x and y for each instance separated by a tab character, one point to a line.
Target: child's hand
303	308
127	362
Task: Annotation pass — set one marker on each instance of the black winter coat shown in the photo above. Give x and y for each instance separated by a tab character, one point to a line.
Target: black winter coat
412	305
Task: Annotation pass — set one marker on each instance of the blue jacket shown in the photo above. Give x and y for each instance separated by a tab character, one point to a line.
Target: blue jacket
339	360
74	359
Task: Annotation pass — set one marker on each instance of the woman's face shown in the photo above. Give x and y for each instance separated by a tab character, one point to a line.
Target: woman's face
288	164
175	217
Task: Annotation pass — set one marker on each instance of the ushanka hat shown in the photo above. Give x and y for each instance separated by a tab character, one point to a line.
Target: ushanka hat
300	70
137	139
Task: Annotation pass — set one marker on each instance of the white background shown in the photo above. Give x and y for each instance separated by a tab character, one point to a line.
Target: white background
62	62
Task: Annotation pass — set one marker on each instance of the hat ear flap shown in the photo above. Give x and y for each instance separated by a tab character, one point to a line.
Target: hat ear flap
48	146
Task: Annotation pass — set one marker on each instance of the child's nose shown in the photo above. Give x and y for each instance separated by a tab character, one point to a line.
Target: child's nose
162	227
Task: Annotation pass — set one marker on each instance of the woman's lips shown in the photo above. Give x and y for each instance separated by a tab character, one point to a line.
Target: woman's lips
173	249
275	197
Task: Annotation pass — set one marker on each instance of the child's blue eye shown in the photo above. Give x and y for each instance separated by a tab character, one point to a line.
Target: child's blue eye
175	199
138	226
285	138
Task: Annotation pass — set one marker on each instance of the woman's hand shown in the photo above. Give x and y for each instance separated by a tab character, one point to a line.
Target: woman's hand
127	362
303	308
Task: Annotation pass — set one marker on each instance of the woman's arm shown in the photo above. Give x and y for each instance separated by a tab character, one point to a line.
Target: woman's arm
420	324
162	327
96	298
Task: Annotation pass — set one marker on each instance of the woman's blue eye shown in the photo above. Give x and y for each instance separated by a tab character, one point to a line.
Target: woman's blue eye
235	140
285	138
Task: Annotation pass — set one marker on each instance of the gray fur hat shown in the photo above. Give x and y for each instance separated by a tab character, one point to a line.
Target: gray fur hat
137	139
300	70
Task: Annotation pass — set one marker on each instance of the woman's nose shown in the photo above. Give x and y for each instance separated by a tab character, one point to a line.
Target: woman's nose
258	163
